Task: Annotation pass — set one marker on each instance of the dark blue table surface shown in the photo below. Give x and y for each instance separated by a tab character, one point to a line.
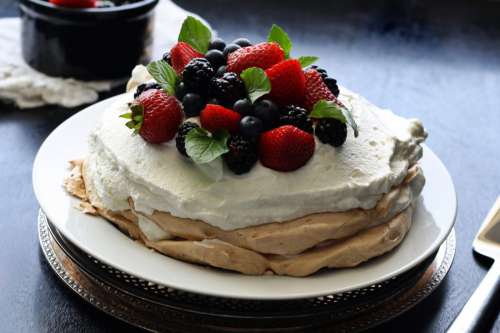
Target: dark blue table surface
438	61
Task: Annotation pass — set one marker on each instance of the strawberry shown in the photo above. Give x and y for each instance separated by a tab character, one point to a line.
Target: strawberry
74	3
215	117
288	83
286	148
316	89
155	115
181	54
262	55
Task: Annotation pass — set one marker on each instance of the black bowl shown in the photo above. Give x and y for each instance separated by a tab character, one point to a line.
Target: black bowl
86	44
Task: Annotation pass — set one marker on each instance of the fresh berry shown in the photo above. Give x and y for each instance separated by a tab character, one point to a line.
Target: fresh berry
251	126
220	71
243	42
197	75
331	131
287	82
268	112
146	86
286	148
213	101
242	154
230	48
193	104
181	90
181	54
262	55
180	140
227	89
316	89
216	117
156	116
330	82
296	116
74	3
167	58
243	107
217	44
216	58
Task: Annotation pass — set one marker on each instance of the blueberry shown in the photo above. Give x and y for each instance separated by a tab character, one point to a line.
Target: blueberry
243	42
217	44
268	112
230	49
193	104
180	91
213	100
220	71
167	58
251	126
216	58
243	107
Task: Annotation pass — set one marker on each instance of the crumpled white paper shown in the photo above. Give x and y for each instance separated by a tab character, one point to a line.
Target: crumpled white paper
28	88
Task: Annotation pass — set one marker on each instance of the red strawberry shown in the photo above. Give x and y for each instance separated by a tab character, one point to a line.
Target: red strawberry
288	83
262	55
74	3
286	148
181	54
316	89
156	116
215	117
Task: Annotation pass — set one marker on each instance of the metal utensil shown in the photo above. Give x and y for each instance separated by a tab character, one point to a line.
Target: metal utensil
487	243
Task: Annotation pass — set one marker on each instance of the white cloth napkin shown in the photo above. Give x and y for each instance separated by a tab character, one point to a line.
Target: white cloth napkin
28	88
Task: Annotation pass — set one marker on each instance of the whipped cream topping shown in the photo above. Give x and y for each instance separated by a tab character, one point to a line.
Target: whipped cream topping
157	177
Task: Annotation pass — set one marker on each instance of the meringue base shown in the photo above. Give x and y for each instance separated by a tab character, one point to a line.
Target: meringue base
295	248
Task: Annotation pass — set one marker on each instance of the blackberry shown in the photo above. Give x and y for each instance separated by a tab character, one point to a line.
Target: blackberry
331	131
242	154
180	140
197	75
296	116
146	86
227	89
330	82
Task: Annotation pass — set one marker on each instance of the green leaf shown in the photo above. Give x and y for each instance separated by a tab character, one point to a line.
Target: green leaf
330	109
278	35
126	115
196	34
307	60
164	74
203	148
257	83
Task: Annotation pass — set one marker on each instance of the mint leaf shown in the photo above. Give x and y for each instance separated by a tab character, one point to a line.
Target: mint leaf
278	35
330	109
196	34
164	74
307	60
203	148
257	83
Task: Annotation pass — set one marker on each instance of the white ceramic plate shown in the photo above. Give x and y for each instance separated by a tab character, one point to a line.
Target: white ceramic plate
434	218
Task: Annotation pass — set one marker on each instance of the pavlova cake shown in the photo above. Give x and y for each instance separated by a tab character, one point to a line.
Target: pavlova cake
245	158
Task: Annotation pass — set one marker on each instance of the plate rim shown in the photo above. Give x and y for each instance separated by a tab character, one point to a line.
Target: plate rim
38	194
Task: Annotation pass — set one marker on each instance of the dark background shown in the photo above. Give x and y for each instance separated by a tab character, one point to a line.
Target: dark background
438	61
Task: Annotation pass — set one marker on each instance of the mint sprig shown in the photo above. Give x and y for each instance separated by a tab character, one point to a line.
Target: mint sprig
164	74
257	83
196	34
278	35
135	117
329	109
205	148
307	60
